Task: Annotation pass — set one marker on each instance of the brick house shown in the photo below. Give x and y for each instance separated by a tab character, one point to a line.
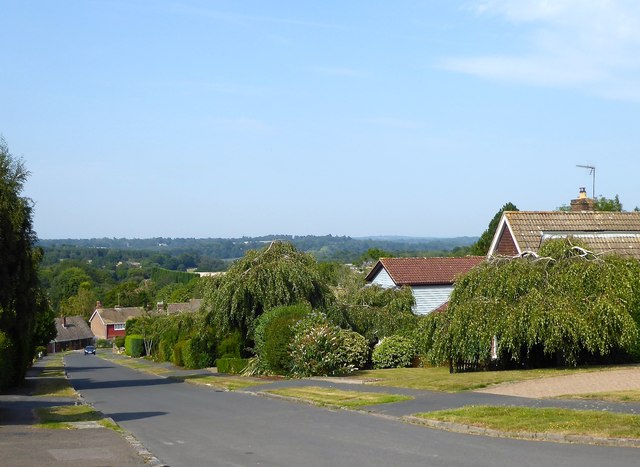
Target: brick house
109	323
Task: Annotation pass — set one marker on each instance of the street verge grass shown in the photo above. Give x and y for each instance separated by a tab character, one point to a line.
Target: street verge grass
521	420
136	364
439	378
228	383
337	397
632	395
61	416
52	381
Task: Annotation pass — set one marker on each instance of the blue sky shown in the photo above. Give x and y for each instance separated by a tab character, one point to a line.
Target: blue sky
227	118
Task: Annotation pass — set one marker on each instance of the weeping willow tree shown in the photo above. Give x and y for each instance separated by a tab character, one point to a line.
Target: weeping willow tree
564	302
278	275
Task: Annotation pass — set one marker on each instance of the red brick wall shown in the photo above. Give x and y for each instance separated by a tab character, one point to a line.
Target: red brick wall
506	246
111	333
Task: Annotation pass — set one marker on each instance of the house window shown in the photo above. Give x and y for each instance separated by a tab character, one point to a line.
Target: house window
118	327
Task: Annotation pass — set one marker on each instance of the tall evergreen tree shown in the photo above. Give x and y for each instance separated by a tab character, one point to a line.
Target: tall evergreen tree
481	247
21	299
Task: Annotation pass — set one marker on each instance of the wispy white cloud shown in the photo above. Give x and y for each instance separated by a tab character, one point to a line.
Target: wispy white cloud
593	45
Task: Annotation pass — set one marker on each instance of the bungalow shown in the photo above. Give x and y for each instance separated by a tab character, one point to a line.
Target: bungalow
431	279
72	333
191	306
602	232
108	323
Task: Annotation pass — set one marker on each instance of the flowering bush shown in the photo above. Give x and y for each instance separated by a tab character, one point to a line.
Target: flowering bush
394	352
319	348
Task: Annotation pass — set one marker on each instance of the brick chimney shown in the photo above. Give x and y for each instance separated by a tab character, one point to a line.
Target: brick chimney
582	203
64	321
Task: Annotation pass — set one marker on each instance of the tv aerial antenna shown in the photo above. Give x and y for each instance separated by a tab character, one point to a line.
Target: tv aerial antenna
592	172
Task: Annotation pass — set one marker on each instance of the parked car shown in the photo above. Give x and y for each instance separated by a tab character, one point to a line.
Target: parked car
89	349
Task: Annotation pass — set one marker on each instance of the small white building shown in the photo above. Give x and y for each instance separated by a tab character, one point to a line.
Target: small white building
431	279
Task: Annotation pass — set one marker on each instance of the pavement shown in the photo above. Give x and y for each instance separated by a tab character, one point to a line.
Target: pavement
24	445
99	446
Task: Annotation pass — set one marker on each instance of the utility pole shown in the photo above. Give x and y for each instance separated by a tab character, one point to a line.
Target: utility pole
592	171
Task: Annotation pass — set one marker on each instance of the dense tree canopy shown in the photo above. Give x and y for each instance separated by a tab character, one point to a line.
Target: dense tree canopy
21	300
277	275
564	303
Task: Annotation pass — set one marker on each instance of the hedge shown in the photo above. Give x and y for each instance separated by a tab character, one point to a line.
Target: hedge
134	345
6	360
231	365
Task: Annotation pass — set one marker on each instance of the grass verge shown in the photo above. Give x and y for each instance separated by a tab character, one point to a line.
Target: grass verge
52	381
439	378
542	420
228	383
613	396
136	364
339	398
61	417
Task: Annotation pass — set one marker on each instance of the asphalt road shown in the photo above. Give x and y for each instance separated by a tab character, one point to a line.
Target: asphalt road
188	425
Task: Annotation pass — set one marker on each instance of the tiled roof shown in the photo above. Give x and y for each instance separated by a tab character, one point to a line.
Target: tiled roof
425	271
76	329
190	306
616	232
119	315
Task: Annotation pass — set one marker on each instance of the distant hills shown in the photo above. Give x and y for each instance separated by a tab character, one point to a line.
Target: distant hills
326	247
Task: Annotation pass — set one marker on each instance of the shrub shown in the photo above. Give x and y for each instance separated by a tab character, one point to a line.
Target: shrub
394	352
231	365
165	350
197	353
231	344
119	341
354	349
319	348
41	350
273	334
176	356
134	345
104	343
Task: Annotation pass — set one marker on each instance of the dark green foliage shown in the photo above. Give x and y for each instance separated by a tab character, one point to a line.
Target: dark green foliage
481	247
231	365
176	356
394	352
607	204
134	345
198	352
119	341
376	312
105	344
231	345
278	275
163	277
41	350
273	334
21	299
7	360
565	307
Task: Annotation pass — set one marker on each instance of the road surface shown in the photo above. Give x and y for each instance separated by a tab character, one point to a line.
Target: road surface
188	425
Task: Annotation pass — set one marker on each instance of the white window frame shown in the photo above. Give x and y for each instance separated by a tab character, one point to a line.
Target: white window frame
119	327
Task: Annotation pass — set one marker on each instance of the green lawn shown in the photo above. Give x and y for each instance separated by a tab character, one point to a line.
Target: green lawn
439	378
62	416
339	398
229	383
52	381
542	420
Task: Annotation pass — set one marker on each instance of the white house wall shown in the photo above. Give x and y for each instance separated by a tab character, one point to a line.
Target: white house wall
383	279
430	297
